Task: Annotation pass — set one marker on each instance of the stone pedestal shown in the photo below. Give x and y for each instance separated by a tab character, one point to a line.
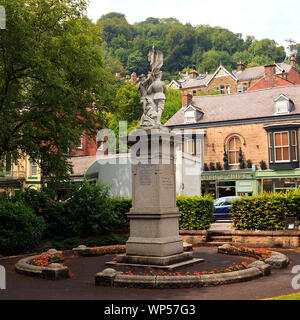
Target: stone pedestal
154	217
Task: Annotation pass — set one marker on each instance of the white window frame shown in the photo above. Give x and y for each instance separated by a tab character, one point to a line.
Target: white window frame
34	165
281	147
228	150
80	146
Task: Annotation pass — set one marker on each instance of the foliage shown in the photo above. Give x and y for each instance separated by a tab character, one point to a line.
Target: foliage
263	165
20	229
261	254
89	210
44	260
185	47
241	159
43	204
172	105
196	212
249	164
120	209
225	159
266	211
212	166
218	166
52	73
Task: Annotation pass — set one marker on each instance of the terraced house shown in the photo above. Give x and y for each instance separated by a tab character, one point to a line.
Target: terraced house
15	176
249	141
242	79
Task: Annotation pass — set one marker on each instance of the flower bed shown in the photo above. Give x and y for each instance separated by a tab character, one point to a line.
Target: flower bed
46	259
44	265
99	251
232	268
260	254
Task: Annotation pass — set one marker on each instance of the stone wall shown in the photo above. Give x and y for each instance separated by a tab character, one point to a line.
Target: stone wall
266	239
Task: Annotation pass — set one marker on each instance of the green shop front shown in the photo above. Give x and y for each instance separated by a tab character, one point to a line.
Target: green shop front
279	180
229	183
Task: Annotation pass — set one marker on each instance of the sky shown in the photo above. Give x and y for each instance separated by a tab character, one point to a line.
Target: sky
273	19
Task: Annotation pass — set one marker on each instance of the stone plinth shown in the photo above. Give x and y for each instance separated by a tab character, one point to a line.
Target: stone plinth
154	217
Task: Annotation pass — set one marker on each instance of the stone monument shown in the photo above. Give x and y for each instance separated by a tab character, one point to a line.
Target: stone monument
154	217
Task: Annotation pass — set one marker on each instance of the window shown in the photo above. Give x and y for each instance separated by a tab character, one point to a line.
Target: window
283	149
283	105
244	87
33	168
239	88
80	145
228	89
222	89
281	146
294	145
189	117
234	145
270	147
194	92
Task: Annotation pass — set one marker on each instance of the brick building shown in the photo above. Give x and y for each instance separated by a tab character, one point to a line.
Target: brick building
242	79
259	126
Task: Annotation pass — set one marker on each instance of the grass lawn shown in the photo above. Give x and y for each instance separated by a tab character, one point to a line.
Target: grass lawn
289	297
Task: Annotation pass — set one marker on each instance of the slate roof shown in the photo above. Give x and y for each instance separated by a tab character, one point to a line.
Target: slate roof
239	106
245	75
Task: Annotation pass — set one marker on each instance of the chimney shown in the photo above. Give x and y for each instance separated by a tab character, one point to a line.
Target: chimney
193	74
186	99
240	66
270	71
293	62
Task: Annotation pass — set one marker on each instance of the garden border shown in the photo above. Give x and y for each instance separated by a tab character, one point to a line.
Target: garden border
112	278
53	272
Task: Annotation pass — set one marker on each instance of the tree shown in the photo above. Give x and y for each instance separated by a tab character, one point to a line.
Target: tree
52	81
129	103
137	63
172	105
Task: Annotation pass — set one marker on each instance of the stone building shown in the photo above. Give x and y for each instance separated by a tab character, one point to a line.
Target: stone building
242	79
252	129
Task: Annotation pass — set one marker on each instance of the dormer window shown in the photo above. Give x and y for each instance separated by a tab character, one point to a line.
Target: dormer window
192	114
283	105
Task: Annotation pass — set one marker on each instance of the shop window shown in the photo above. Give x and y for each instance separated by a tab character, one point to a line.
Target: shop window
233	147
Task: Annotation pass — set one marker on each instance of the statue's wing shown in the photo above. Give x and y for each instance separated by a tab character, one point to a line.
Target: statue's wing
155	58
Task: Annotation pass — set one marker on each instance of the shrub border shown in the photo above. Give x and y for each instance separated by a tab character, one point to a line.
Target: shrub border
53	272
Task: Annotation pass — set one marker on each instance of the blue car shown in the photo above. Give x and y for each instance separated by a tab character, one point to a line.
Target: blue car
222	207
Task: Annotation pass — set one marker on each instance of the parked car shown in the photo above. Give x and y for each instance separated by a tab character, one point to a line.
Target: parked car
222	207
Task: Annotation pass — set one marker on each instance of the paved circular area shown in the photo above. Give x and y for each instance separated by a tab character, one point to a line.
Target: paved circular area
81	284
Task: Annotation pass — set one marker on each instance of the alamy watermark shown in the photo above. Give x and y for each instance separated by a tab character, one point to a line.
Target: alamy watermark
2	278
2	18
296	279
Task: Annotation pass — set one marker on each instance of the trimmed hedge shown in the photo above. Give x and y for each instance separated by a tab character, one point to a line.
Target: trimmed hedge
266	211
196	212
120	208
20	228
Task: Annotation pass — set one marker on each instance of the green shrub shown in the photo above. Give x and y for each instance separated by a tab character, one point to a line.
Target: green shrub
266	211
120	208
196	212
20	229
89	210
53	212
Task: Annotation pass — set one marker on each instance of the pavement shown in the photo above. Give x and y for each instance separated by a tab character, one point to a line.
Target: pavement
221	225
80	286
